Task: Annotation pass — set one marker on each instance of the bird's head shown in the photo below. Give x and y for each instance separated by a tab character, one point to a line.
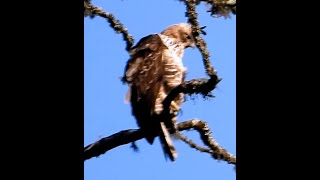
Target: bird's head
182	32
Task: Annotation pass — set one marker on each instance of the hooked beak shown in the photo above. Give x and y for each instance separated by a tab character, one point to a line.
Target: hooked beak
193	45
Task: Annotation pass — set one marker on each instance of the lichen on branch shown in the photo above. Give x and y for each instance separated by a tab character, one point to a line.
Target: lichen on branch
218	8
91	10
192	15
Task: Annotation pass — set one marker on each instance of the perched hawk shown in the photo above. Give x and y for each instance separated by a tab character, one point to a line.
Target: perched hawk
154	69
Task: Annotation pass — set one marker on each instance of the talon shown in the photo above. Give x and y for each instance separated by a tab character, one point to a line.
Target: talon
174	106
174	119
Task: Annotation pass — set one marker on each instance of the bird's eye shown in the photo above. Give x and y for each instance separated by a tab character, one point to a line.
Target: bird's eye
188	37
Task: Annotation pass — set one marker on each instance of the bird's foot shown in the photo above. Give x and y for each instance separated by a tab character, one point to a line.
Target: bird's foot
174	107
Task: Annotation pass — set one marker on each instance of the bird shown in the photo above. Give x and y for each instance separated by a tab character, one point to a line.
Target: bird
155	68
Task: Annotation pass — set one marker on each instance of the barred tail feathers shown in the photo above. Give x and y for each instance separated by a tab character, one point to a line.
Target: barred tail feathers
166	142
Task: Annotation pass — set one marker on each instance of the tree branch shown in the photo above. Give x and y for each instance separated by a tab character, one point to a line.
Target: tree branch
196	86
126	136
110	142
91	10
218	8
191	143
202	127
196	30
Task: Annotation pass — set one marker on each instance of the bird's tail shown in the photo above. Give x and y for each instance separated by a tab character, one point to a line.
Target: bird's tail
166	142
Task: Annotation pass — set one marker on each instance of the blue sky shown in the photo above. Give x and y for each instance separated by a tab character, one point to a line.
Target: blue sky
106	113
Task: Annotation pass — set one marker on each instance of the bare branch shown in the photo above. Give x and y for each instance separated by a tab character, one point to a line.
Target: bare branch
110	142
91	10
131	135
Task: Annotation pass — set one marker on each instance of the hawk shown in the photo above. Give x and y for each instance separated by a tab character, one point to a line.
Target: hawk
155	67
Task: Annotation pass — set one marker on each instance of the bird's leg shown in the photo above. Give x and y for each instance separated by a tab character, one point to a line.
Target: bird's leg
174	108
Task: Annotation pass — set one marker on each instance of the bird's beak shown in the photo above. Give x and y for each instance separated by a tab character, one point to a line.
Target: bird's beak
193	45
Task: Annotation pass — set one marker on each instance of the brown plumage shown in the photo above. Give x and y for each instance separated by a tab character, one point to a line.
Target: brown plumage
154	69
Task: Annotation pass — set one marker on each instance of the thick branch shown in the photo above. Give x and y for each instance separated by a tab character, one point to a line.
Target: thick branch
91	10
196	86
110	142
131	135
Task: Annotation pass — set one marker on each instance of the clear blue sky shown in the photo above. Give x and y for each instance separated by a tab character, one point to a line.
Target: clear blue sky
106	113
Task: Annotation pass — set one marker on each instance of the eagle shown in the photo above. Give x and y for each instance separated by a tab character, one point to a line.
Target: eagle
155	68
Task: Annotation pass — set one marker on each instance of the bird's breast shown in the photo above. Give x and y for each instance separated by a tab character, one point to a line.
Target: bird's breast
174	52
